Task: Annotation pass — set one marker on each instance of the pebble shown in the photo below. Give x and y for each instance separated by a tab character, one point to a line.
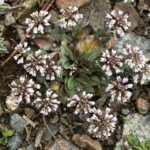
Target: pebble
142	106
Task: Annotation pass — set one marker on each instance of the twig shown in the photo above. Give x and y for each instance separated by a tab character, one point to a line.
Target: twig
25	37
51	133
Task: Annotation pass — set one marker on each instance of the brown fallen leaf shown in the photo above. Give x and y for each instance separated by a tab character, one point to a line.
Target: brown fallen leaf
111	43
66	3
44	42
85	141
39	137
134	17
11	103
29	121
88	44
29	112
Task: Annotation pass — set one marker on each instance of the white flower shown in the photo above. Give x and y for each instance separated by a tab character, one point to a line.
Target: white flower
23	50
143	75
48	104
37	21
23	89
102	123
70	17
83	104
119	90
118	22
43	64
111	61
135	58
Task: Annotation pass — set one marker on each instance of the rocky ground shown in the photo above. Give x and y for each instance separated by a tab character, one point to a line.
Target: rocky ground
29	133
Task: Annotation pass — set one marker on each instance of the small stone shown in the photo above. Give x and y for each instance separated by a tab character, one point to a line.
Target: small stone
142	106
125	111
11	103
85	141
66	3
14	142
64	144
18	123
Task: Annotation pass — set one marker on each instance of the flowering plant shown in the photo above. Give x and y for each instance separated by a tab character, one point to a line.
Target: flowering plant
83	67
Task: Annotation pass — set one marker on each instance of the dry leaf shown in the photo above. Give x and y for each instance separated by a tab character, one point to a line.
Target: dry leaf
111	43
66	3
39	137
143	5
29	121
88	44
11	103
85	141
29	112
43	42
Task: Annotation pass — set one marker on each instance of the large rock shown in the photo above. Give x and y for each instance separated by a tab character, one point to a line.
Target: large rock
135	40
14	142
18	123
95	13
137	125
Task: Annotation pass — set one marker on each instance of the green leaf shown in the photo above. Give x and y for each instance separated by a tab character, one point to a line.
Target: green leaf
4	6
2	44
67	65
3	141
66	52
71	83
7	133
147	144
132	140
90	56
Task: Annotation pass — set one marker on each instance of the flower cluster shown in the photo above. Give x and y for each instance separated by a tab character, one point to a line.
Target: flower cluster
143	75
23	49
111	61
70	17
48	104
102	123
24	89
82	105
119	90
43	64
118	22
135	58
37	21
